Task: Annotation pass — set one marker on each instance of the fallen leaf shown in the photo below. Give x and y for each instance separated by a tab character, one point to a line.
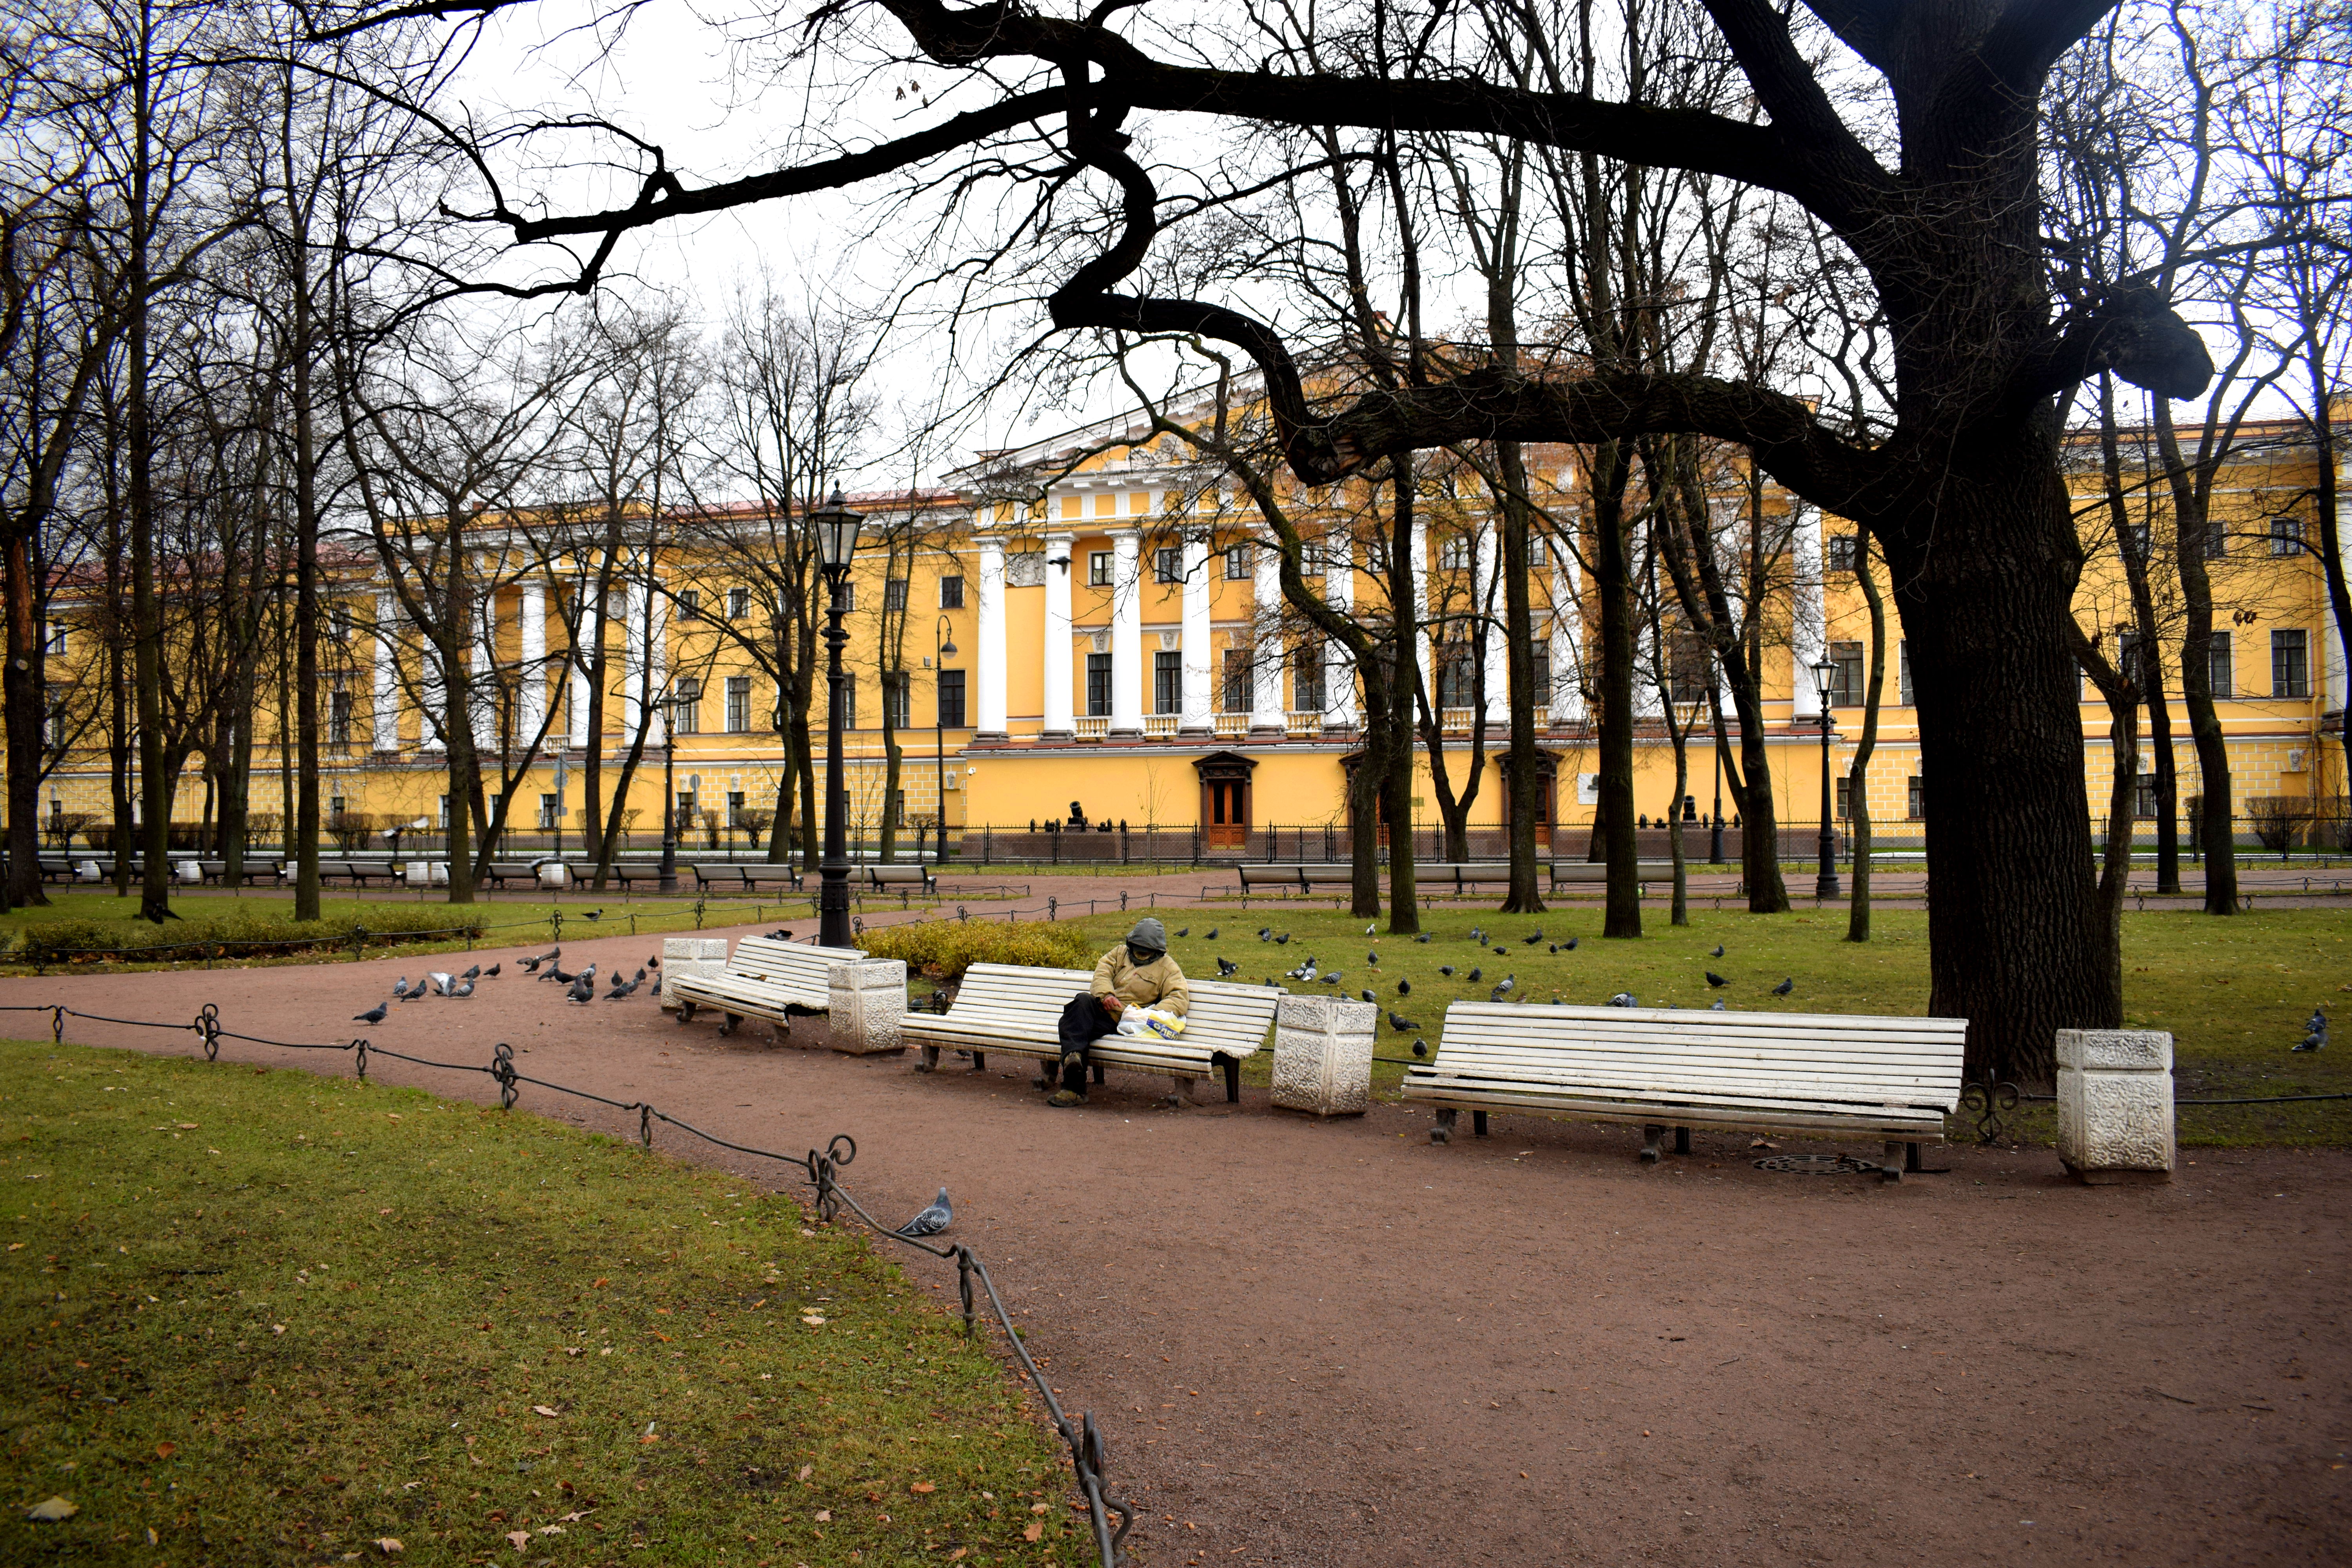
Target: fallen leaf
388	1546
154	1539
824	1516
187	1126
1036	1507
1036	1528
551	1529
384	1211
604	1281
922	1487
814	1320
51	1510
807	1470
544	1410
15	1247
164	1450
519	1538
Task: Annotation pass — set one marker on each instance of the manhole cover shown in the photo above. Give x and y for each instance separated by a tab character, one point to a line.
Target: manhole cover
1816	1164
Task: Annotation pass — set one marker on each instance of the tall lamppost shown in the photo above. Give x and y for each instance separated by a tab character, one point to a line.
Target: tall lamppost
669	791
1825	885
942	644
836	540
1714	829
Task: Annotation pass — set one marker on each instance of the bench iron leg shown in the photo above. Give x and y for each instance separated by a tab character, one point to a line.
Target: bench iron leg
1911	1158
1650	1136
1478	1122
1098	1071
727	1021
1682	1140
1233	1080
1892	1171
685	1011
1441	1130
931	1062
980	1061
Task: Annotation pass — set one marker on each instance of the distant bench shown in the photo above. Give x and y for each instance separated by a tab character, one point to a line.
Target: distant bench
1305	876
750	878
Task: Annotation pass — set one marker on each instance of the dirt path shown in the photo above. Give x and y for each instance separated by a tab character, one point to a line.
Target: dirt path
1334	1343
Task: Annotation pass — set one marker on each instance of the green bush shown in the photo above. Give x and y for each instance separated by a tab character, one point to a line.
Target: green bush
943	950
232	933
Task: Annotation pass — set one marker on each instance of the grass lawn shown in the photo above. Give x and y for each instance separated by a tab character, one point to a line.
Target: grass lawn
262	1316
2233	991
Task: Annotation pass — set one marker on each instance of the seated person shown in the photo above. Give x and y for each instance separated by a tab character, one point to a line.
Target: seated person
1137	973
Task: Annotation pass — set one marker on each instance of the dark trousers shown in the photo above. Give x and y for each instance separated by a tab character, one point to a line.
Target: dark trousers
1084	1021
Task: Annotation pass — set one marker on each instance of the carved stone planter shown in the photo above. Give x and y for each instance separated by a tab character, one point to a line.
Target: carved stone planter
687	955
1323	1055
556	876
2115	1104
867	1005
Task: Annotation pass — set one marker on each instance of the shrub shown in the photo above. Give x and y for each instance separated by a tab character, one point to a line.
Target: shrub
235	933
943	950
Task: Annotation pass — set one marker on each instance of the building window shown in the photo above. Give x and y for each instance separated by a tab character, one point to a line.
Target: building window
686	706
1688	661
734	808
2221	670
1540	673
56	640
338	717
1844	800
1167	682
1306	678
2290	665
1241	561
895	696
444	813
894	593
2130	649
1903	673
1845	684
1241	687
1310	558
2137	539
686	808
550	812
1843	549
1918	800
339	624
1168	564
1098	569
2286	536
738	603
1098	686
849	703
951	699
950	592
1456	674
689	605
739	704
2144	796
849	596
2217	542
1453	552
335	806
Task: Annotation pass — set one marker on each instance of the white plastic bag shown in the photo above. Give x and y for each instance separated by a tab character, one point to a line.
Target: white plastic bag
1138	1021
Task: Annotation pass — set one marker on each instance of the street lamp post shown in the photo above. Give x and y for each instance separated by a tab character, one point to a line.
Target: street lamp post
1714	825
670	793
1825	885
942	644
836	542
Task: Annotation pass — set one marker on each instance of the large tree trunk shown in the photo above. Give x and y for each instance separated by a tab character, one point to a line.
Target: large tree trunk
22	694
1612	582
1525	895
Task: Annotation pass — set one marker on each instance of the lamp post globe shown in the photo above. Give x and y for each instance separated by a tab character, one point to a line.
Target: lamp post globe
1825	884
836	542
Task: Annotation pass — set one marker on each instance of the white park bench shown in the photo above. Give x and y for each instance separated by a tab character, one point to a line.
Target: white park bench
1018	1011
764	978
1893	1079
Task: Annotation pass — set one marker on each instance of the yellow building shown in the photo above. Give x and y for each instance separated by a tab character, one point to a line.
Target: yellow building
1093	624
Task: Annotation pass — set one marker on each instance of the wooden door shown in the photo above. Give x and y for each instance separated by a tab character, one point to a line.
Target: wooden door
1228	825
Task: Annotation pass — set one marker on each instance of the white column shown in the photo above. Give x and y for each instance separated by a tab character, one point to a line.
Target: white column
1267	713
1200	701
432	696
1421	605
530	704
1567	695
1060	700
990	657
657	646
387	676
634	707
484	697
1808	624
2338	688
1126	636
591	617
1340	593
1496	653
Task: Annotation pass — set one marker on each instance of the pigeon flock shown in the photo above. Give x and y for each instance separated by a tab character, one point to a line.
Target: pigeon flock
579	988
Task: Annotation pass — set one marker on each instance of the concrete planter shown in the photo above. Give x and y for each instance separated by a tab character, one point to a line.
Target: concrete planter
555	875
687	955
867	1005
424	873
2115	1105
1323	1055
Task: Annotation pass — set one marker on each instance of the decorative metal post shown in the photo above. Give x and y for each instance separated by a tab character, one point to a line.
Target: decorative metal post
1714	825
836	534
942	644
1825	885
669	795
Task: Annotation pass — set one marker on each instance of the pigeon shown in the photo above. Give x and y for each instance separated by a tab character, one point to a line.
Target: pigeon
532	965
1400	1022
464	988
2314	1031
1569	946
656	990
1333	978
1224	969
1421	936
1473	976
934	1219
780	934
582	989
589	973
1282	941
1788	984
593	915
1304	972
556	974
1505	984
418	994
491	973
1555	999
1367	994
441	980
1553	947
1623	999
1502	953
1715	981
1716	1005
1270	984
1718	950
1371	957
1478	936
618	991
473	973
1184	931
1446	970
1266	933
373	1014
653	961
1536	937
1404	987
400	989
1210	935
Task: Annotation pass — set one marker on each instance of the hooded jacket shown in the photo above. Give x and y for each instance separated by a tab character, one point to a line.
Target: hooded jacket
1159	984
